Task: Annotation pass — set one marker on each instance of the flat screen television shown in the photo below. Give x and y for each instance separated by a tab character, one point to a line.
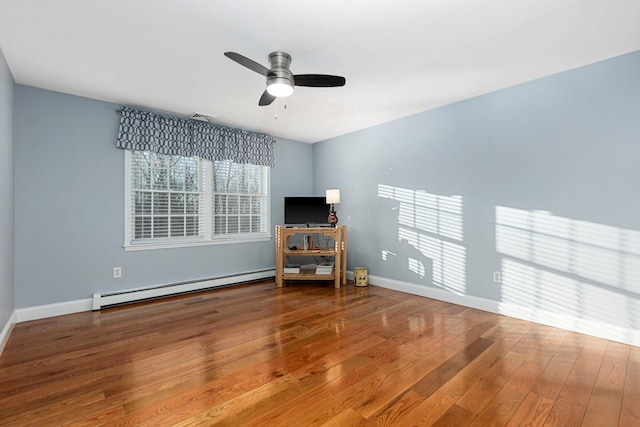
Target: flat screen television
306	212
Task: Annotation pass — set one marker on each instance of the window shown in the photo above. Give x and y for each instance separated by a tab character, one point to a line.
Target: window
239	198
174	201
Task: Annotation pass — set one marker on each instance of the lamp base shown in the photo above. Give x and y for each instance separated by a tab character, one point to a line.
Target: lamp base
333	218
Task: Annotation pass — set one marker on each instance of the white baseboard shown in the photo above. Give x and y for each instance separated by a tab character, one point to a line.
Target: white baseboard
557	320
70	307
563	321
52	310
6	331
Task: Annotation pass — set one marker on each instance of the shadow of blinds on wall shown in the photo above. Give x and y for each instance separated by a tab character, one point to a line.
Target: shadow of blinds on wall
567	266
432	225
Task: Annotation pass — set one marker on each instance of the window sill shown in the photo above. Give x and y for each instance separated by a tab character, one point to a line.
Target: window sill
172	245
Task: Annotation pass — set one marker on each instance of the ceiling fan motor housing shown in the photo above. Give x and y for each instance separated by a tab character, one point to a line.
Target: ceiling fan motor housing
279	72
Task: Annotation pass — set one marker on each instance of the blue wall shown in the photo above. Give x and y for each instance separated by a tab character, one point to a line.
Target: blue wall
69	188
538	181
7	299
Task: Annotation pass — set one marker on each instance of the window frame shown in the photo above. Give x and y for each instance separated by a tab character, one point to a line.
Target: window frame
209	237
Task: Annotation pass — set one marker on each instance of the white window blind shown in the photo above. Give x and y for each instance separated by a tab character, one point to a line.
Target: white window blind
239	198
179	201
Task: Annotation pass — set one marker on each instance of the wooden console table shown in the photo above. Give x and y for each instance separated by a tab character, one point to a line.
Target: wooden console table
338	251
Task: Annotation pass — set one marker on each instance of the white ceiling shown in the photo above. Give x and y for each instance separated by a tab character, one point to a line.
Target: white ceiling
399	57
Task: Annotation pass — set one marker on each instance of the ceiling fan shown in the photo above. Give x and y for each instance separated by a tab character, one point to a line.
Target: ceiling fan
280	80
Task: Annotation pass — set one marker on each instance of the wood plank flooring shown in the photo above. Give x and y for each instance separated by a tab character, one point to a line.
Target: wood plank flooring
311	355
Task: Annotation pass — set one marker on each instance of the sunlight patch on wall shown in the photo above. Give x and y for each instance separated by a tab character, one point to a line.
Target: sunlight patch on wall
431	224
574	267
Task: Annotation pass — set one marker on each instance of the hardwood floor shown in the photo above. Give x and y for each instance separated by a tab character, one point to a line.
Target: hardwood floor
309	354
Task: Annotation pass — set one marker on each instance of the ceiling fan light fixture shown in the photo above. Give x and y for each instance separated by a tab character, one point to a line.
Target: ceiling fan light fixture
280	88
280	79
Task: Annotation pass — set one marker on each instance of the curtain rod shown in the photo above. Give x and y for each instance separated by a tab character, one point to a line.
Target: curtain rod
119	111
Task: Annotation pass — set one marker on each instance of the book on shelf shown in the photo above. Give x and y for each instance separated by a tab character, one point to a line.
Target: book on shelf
291	268
324	268
307	242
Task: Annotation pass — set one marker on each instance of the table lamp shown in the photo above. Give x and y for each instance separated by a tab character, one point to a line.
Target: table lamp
333	198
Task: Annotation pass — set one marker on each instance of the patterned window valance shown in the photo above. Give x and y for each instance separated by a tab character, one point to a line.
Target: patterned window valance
146	131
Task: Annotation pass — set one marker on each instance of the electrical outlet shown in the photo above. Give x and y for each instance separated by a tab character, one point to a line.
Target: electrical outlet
117	272
497	277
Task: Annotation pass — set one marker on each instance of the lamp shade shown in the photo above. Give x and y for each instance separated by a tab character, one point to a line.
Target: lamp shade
333	196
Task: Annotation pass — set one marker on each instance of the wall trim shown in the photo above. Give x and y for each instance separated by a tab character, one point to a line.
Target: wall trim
557	320
77	306
562	321
52	310
6	331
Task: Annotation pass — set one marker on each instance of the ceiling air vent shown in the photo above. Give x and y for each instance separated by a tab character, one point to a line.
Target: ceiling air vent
203	117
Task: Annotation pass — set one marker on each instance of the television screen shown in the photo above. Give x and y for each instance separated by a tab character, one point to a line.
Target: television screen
306	211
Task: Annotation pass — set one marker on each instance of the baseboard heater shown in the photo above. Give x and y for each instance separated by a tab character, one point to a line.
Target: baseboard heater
108	299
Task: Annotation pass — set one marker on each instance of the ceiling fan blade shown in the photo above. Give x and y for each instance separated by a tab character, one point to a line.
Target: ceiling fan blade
266	99
318	80
246	62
